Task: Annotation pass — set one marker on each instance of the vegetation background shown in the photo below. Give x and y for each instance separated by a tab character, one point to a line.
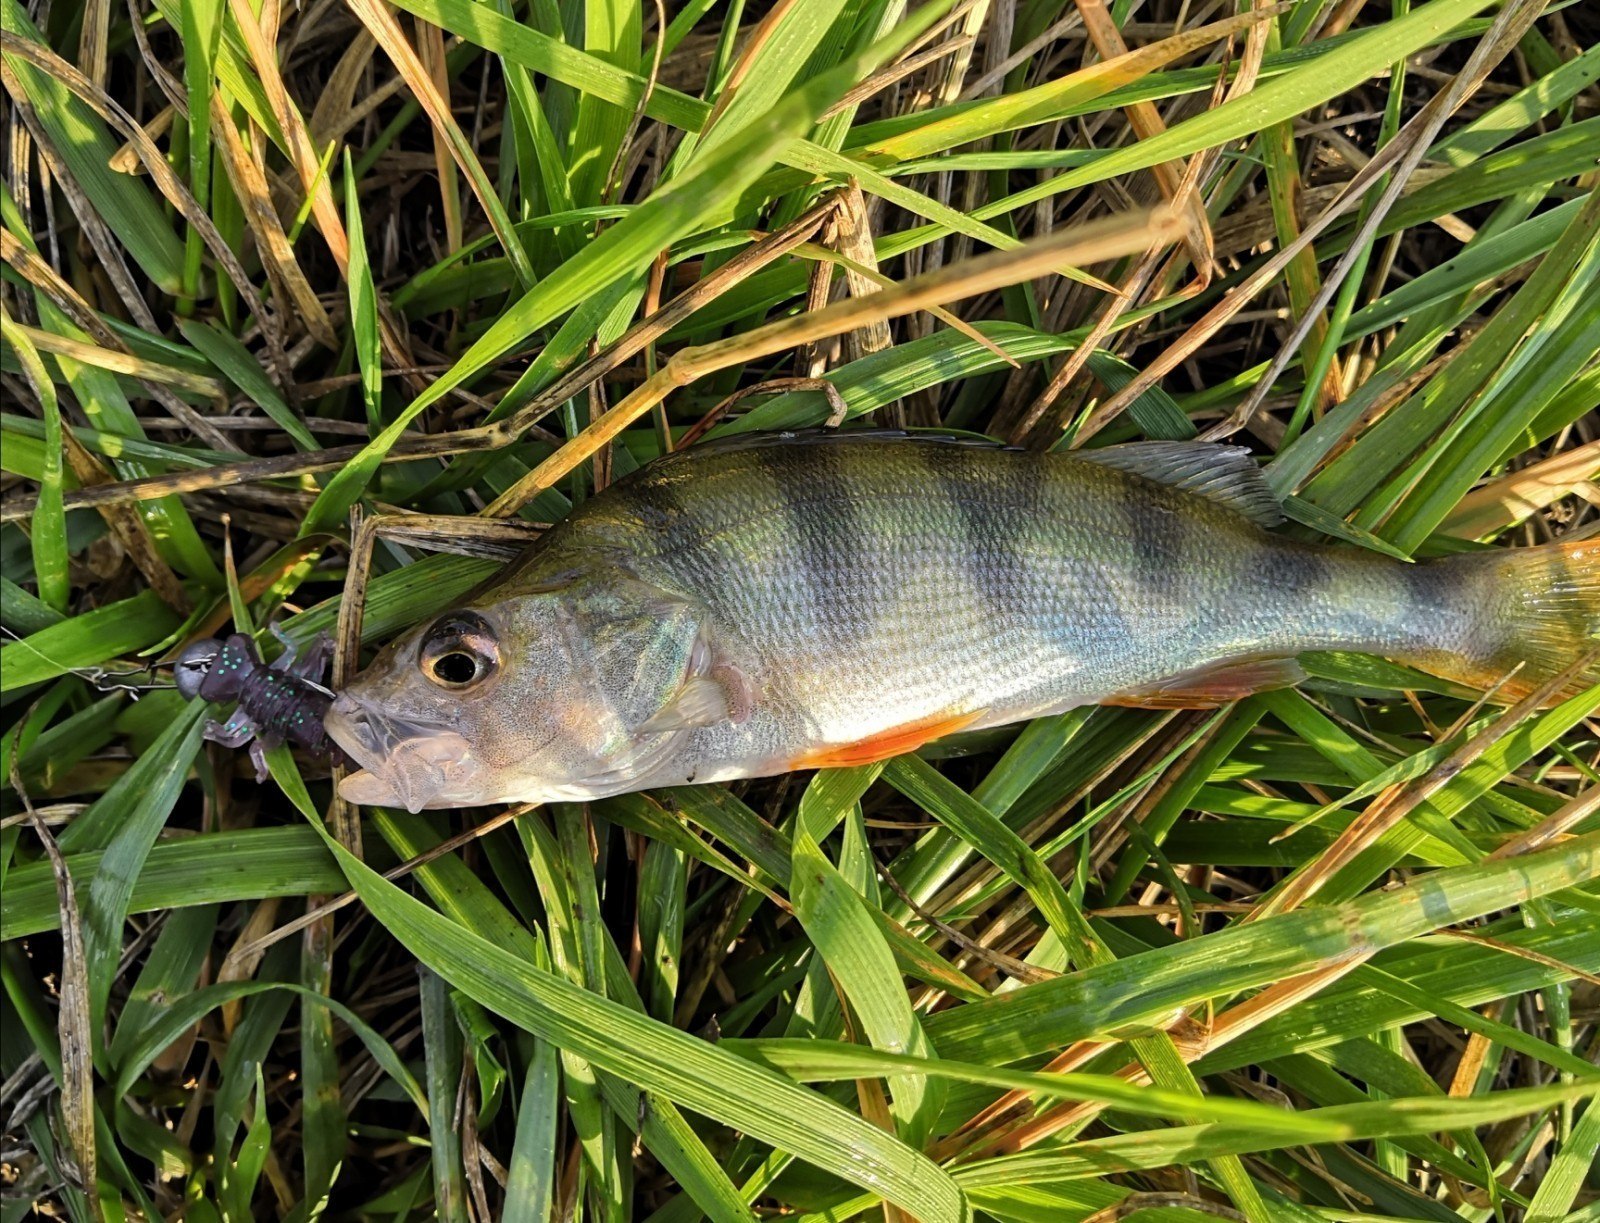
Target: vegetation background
1327	954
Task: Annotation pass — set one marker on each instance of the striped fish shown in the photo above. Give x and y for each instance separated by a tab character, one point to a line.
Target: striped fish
765	604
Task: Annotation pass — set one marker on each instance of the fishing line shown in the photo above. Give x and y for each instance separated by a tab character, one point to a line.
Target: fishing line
102	679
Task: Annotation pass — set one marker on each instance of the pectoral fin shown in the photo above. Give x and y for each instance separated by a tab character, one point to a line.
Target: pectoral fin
723	695
1209	687
700	702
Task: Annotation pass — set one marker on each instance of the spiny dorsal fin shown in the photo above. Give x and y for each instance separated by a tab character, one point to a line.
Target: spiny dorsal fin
822	435
1225	474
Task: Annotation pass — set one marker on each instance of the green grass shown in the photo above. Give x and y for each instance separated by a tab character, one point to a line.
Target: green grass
1326	954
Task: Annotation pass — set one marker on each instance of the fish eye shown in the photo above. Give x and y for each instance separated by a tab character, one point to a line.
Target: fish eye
459	650
455	668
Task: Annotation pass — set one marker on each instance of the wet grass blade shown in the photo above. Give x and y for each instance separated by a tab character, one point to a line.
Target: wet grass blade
124	824
441	1038
662	1059
49	537
363	305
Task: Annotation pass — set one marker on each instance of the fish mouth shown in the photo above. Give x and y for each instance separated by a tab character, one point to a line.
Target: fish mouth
404	762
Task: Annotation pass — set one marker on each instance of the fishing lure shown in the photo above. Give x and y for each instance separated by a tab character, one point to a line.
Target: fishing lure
279	703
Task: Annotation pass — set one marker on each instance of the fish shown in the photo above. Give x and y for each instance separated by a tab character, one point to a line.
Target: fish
768	603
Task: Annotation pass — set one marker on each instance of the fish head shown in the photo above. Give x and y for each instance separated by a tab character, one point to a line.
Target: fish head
528	695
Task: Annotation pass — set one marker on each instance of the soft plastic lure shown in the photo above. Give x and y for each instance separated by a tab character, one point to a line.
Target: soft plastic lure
283	702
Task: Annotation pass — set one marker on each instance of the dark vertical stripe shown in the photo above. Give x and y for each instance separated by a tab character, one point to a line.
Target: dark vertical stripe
1162	545
821	515
998	507
657	505
1301	576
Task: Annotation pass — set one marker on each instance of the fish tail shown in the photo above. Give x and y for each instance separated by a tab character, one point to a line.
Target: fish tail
1516	618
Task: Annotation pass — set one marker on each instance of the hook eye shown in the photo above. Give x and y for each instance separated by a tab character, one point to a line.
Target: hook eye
194	664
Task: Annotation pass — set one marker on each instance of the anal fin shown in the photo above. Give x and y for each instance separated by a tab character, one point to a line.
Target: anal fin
896	741
1211	686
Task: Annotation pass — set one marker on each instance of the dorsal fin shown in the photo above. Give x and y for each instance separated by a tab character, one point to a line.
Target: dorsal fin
1227	475
821	435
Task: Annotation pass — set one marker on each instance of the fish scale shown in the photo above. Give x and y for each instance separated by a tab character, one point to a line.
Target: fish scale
862	575
748	607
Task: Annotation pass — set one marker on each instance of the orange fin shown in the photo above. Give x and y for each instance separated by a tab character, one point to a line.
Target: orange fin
1211	686
894	742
